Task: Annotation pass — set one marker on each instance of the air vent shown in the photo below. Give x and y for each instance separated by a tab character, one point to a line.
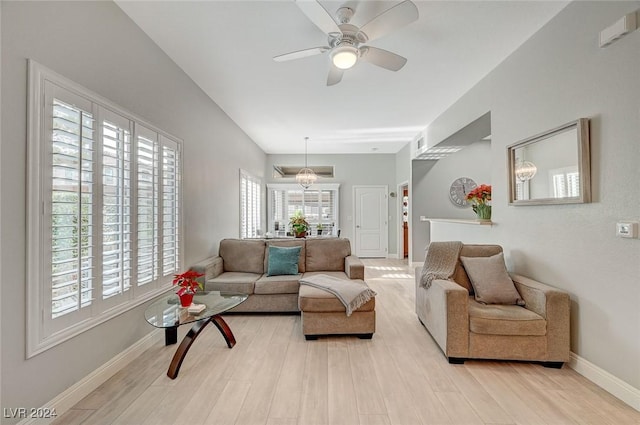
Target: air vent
290	171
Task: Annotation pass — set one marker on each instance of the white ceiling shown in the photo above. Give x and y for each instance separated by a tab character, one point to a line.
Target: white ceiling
226	47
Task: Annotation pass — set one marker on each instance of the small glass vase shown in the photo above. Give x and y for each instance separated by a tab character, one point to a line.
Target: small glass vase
483	212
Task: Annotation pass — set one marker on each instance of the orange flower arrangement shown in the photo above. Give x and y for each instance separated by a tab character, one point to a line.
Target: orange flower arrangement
480	195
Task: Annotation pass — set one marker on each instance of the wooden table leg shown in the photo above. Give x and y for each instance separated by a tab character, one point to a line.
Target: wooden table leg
170	335
191	336
224	330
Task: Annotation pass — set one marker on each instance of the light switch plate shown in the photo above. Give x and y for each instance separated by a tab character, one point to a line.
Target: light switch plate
627	229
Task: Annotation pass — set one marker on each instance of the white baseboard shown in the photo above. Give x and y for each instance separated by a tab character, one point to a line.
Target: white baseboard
72	395
606	381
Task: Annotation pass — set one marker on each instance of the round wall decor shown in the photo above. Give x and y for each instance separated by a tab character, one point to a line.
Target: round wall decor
459	190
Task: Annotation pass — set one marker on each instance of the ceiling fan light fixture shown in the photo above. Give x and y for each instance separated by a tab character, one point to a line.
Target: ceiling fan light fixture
344	57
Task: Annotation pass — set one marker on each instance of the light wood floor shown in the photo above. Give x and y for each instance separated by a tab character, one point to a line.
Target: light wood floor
400	377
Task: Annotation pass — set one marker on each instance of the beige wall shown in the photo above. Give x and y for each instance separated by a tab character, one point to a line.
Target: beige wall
557	76
96	45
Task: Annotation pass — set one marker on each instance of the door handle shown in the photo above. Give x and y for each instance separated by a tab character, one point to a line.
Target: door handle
357	226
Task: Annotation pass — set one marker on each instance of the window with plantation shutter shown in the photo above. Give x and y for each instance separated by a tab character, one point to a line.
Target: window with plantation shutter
250	205
319	205
104	225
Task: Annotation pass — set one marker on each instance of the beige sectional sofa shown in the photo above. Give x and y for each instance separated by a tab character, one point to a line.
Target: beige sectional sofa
242	264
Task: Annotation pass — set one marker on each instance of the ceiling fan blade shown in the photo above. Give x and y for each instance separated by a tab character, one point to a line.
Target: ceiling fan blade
335	75
318	15
391	19
382	58
301	54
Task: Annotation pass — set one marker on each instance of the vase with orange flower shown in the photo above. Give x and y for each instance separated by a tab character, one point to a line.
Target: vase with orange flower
480	199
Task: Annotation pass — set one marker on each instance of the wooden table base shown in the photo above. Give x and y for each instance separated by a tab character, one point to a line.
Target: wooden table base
196	329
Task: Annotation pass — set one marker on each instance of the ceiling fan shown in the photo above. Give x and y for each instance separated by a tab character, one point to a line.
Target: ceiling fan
345	39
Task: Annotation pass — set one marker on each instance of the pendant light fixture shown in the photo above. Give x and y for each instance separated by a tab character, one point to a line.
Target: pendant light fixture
525	171
306	177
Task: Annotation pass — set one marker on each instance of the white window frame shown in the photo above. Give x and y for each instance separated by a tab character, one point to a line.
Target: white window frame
333	187
250	205
42	333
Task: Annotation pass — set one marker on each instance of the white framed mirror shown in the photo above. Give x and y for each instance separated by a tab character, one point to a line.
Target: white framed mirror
552	167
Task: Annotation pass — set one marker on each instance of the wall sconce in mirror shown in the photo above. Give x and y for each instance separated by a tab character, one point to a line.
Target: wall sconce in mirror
552	167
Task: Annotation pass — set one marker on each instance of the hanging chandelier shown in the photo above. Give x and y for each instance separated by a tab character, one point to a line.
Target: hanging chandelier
306	177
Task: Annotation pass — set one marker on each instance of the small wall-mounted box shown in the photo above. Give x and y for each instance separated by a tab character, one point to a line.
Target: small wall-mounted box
621	27
627	229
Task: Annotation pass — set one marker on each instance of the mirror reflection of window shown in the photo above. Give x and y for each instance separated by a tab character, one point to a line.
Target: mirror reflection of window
565	182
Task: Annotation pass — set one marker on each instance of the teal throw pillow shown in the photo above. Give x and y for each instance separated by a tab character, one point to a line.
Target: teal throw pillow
283	260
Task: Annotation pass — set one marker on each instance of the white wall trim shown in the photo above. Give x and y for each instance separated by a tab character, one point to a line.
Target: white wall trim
605	380
72	395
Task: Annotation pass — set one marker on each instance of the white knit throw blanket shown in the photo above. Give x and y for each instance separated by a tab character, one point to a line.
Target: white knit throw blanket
352	293
440	262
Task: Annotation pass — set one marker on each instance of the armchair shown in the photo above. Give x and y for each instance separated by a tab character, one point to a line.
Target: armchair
466	329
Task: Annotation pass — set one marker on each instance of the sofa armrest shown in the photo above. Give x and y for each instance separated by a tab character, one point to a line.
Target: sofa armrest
444	310
353	267
555	306
211	267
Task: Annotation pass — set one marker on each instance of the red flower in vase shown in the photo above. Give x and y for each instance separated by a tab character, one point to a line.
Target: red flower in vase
187	282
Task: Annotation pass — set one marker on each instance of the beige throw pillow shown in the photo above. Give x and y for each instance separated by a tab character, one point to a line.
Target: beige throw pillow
490	280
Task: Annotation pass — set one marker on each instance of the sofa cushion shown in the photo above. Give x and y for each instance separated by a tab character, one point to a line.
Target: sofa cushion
283	260
327	254
238	282
490	280
313	299
504	320
242	255
289	243
284	284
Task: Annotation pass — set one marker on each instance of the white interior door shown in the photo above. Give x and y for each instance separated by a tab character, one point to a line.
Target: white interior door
371	223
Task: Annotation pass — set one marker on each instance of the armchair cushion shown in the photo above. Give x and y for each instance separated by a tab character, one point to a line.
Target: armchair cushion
504	320
491	281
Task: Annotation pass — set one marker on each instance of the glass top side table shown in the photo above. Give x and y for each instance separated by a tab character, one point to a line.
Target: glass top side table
167	313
